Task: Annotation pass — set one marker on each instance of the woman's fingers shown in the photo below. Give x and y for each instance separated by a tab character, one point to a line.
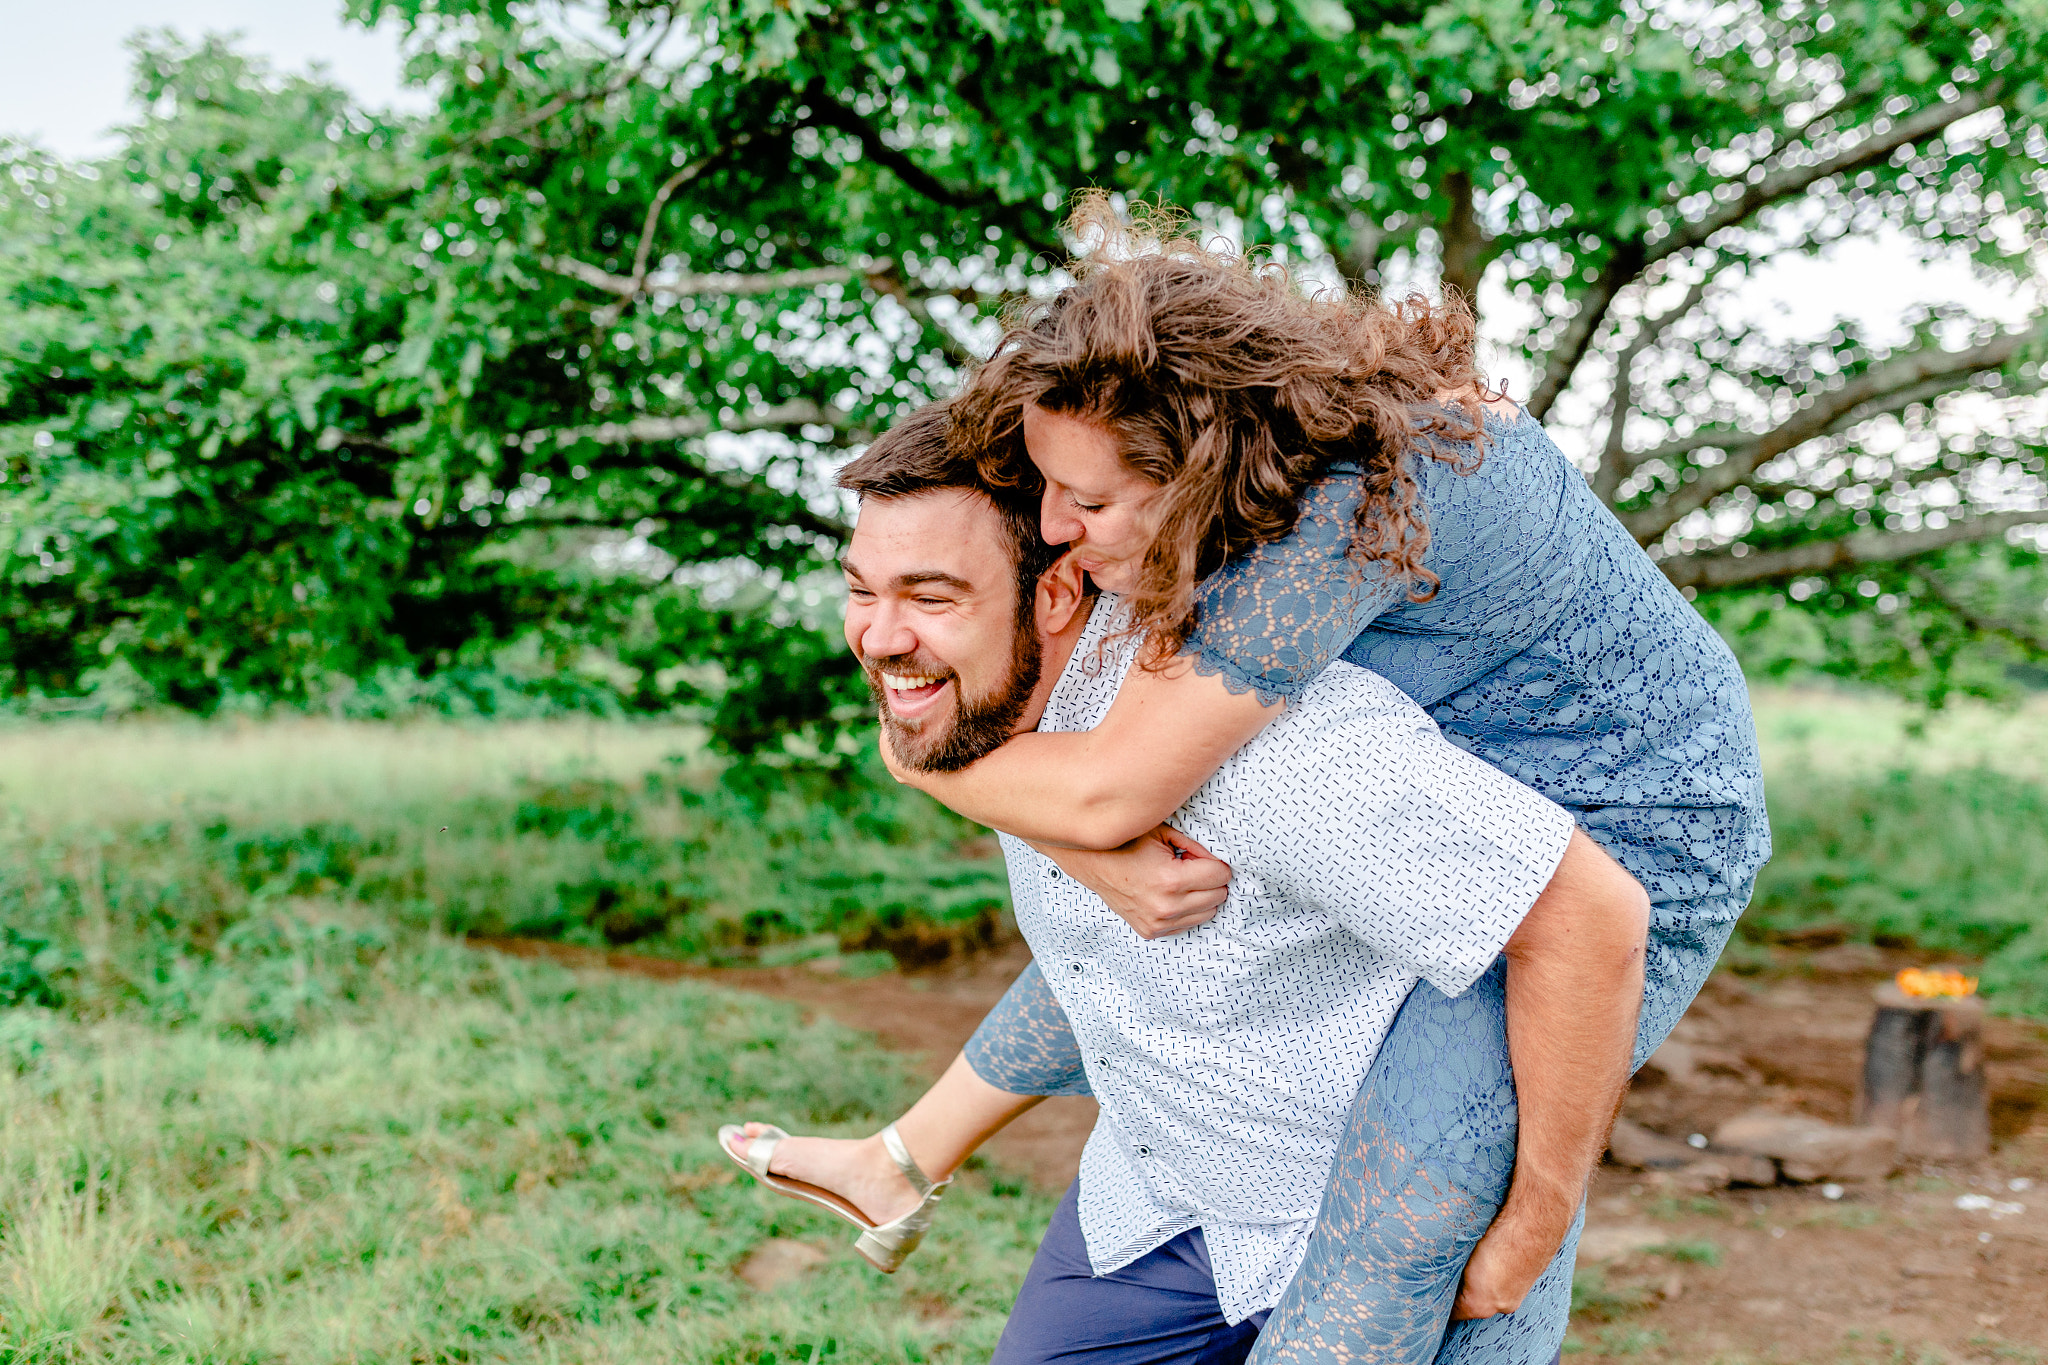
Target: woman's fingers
1176	913
1187	849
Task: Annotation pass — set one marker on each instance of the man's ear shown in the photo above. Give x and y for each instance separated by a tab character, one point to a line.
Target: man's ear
1060	592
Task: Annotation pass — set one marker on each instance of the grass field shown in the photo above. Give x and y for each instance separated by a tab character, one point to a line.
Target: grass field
149	844
456	1157
257	1105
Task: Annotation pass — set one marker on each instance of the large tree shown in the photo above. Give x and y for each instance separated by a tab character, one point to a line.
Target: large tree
537	393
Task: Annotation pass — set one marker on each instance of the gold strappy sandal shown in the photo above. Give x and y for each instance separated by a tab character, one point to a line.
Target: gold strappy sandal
884	1246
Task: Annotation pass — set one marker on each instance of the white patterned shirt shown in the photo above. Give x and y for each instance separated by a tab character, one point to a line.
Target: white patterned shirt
1368	853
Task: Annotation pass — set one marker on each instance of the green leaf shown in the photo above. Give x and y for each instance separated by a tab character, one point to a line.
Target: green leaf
1104	68
1328	18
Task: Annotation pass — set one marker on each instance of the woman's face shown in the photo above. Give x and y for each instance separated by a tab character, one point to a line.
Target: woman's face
1093	504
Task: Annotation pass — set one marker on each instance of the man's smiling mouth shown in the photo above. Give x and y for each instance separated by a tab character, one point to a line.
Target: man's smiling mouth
911	693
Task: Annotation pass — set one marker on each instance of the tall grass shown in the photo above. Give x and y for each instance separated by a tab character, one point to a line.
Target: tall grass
457	1157
129	852
1910	830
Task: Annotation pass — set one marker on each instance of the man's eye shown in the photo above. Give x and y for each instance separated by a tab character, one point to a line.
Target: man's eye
933	601
860	594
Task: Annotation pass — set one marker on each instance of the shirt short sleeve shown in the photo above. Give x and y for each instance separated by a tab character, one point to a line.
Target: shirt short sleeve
1427	854
1270	620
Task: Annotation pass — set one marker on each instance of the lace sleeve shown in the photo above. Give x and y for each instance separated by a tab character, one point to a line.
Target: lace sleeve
1272	619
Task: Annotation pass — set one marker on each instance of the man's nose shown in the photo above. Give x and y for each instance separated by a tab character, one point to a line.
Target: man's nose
886	634
1056	522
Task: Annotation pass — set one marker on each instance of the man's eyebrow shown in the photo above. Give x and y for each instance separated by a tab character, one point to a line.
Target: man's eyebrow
915	578
920	576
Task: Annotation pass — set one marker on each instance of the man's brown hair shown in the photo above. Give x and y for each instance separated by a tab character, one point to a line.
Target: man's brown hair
921	454
1225	384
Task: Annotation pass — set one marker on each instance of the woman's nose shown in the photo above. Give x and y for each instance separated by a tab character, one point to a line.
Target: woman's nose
1056	522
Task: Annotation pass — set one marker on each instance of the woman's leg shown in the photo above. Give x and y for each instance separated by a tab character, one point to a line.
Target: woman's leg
1018	1054
949	1121
1022	1052
1025	1045
1425	1163
1423	1167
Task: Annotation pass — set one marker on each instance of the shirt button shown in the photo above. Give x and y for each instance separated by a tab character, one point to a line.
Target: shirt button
1076	968
1144	1151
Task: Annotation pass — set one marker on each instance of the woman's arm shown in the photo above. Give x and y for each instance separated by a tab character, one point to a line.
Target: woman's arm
1164	736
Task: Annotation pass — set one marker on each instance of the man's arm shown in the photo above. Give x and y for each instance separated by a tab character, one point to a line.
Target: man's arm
1574	989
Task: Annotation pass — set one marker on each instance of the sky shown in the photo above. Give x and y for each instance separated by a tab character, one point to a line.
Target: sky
64	64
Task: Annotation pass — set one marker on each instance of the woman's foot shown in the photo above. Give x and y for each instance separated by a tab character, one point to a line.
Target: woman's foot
858	1170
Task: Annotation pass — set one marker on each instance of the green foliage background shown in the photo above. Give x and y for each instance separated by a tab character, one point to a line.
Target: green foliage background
530	402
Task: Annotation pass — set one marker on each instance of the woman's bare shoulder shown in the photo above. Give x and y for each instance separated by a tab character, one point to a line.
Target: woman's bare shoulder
1487	400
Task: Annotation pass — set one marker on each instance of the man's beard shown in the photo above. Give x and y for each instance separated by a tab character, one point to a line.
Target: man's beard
978	726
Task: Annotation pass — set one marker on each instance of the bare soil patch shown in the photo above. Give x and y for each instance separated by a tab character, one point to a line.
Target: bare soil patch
1888	1271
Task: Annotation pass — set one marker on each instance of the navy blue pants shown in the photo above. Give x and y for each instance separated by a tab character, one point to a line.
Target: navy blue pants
1160	1309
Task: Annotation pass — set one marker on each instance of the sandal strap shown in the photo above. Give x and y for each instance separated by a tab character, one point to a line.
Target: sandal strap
899	1153
755	1152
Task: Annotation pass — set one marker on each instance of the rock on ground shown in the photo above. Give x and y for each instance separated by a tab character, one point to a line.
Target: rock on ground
1807	1149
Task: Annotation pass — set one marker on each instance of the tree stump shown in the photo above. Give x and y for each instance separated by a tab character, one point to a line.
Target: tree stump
1923	1075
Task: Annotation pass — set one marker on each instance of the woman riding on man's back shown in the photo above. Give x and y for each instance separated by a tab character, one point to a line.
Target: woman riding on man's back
1273	481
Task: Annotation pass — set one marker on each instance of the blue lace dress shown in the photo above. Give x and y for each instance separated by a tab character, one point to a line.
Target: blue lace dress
1555	650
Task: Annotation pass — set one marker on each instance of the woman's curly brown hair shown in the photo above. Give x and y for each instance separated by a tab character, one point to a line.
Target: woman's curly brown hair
1233	390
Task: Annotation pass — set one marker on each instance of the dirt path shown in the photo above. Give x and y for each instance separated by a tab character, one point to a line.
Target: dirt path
1892	1271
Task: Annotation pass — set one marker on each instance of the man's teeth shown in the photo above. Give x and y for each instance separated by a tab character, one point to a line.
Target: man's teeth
897	682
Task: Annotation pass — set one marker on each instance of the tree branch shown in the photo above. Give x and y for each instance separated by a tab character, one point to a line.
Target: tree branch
1614	460
830	113
1467	249
569	97
798	412
604	317
724	283
1623	266
1983	622
1916	371
883	276
1737	443
1725	570
1792	180
1630	258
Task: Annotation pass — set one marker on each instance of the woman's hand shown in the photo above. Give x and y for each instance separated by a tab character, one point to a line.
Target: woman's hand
907	776
1159	883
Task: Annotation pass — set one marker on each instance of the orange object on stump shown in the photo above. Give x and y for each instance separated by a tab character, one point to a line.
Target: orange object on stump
1923	1073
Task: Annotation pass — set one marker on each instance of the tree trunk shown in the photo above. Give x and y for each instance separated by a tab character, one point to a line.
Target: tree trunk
1923	1075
